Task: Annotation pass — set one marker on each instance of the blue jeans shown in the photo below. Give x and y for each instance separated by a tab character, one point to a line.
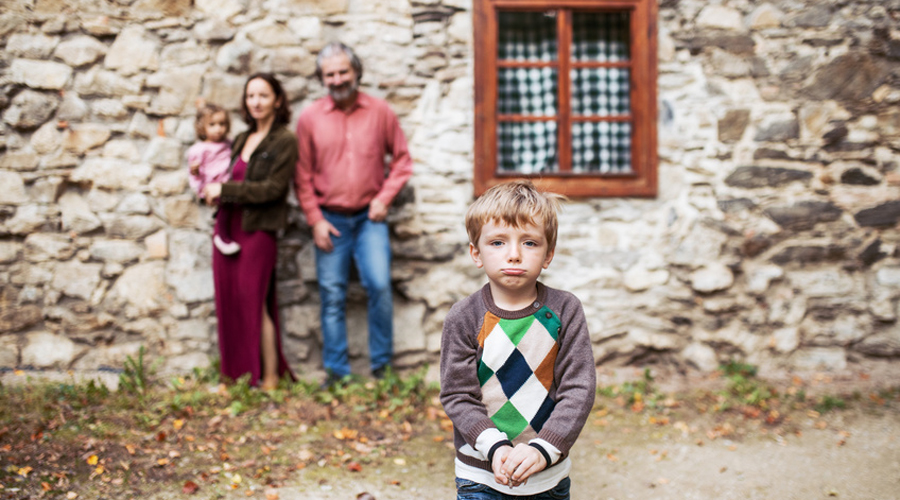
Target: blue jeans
468	490
365	242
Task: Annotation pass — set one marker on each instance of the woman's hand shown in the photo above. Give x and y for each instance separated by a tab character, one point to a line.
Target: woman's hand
212	192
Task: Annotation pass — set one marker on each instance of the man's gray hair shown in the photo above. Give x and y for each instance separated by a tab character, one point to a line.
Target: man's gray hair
333	49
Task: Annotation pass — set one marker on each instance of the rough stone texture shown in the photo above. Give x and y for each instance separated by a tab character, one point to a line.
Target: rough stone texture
758	177
773	238
804	215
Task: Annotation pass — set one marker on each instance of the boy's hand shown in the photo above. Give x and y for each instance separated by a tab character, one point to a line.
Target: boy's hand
497	464
521	463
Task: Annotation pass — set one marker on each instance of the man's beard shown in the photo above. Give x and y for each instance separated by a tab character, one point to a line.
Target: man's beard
343	92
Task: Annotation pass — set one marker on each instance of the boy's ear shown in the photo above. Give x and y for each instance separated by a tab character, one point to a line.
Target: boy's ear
476	255
548	258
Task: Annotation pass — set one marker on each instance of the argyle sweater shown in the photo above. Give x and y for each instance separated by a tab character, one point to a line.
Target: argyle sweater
528	373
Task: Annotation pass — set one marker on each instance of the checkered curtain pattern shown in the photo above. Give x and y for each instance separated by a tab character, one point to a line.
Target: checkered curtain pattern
531	147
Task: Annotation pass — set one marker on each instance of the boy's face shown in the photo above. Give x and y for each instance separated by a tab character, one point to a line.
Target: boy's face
512	257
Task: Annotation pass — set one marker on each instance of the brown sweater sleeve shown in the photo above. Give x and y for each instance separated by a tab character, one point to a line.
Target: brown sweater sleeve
460	390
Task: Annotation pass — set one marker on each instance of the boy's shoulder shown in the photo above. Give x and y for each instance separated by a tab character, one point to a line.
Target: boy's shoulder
470	305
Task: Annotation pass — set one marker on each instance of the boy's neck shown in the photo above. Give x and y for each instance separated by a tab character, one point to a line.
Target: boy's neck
513	301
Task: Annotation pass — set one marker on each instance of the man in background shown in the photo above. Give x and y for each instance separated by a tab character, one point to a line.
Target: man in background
343	190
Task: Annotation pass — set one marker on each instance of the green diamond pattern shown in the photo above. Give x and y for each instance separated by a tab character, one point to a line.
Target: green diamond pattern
510	420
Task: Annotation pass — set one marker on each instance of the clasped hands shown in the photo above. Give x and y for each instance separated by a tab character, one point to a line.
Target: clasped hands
513	466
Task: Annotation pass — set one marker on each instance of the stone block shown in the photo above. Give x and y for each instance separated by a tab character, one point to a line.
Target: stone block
888	276
108	356
112	173
118	251
9	251
48	350
848	78
301	321
804	215
825	282
731	127
46	75
101	83
197	329
638	278
9	352
45	140
884	343
76	279
765	16
409	336
820	358
12	189
701	356
778	130
18	317
43	247
31	46
30	109
884	215
753	177
133	51
129	226
29	218
81	138
143	288
80	51
157	245
76	214
712	277
785	340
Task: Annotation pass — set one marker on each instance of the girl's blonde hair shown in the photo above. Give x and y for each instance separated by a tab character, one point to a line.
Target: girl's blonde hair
204	112
516	204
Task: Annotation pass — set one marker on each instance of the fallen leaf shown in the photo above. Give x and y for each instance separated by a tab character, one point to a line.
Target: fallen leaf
178	424
189	488
71	495
400	461
92	460
611	457
236	479
130	449
162	461
354	467
24	471
271	494
45	486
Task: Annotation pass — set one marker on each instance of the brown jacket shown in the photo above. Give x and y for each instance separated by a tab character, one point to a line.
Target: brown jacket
263	192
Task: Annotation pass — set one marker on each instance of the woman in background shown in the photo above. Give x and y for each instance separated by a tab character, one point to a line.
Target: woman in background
263	160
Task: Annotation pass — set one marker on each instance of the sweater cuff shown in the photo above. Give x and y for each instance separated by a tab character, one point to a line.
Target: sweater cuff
497	445
488	439
547	461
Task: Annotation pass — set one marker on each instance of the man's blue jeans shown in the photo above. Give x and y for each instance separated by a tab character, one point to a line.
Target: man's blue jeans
468	490
367	244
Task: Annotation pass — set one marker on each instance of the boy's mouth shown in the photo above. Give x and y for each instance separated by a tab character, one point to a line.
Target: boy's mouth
513	272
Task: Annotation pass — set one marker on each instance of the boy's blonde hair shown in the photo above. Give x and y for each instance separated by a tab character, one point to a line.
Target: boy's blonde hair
205	111
516	204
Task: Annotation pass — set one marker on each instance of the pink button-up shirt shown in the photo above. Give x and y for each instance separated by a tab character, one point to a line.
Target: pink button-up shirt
341	165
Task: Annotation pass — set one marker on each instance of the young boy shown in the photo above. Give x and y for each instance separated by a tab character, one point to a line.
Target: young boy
517	371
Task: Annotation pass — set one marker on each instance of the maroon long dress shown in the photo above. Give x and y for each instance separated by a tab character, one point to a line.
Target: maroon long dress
243	282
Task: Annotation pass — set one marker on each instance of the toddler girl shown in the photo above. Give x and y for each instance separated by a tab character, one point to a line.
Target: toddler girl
210	162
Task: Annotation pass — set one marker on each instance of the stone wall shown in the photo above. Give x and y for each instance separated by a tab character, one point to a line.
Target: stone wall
773	239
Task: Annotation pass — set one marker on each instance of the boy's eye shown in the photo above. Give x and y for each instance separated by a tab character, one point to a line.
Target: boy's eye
495	243
530	244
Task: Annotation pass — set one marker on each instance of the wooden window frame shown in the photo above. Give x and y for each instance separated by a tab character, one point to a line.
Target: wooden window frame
642	181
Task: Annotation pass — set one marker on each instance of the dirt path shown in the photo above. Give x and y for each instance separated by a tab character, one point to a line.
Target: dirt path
848	454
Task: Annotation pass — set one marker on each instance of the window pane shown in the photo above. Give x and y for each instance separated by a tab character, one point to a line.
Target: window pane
601	91
526	147
526	36
601	147
598	36
526	91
